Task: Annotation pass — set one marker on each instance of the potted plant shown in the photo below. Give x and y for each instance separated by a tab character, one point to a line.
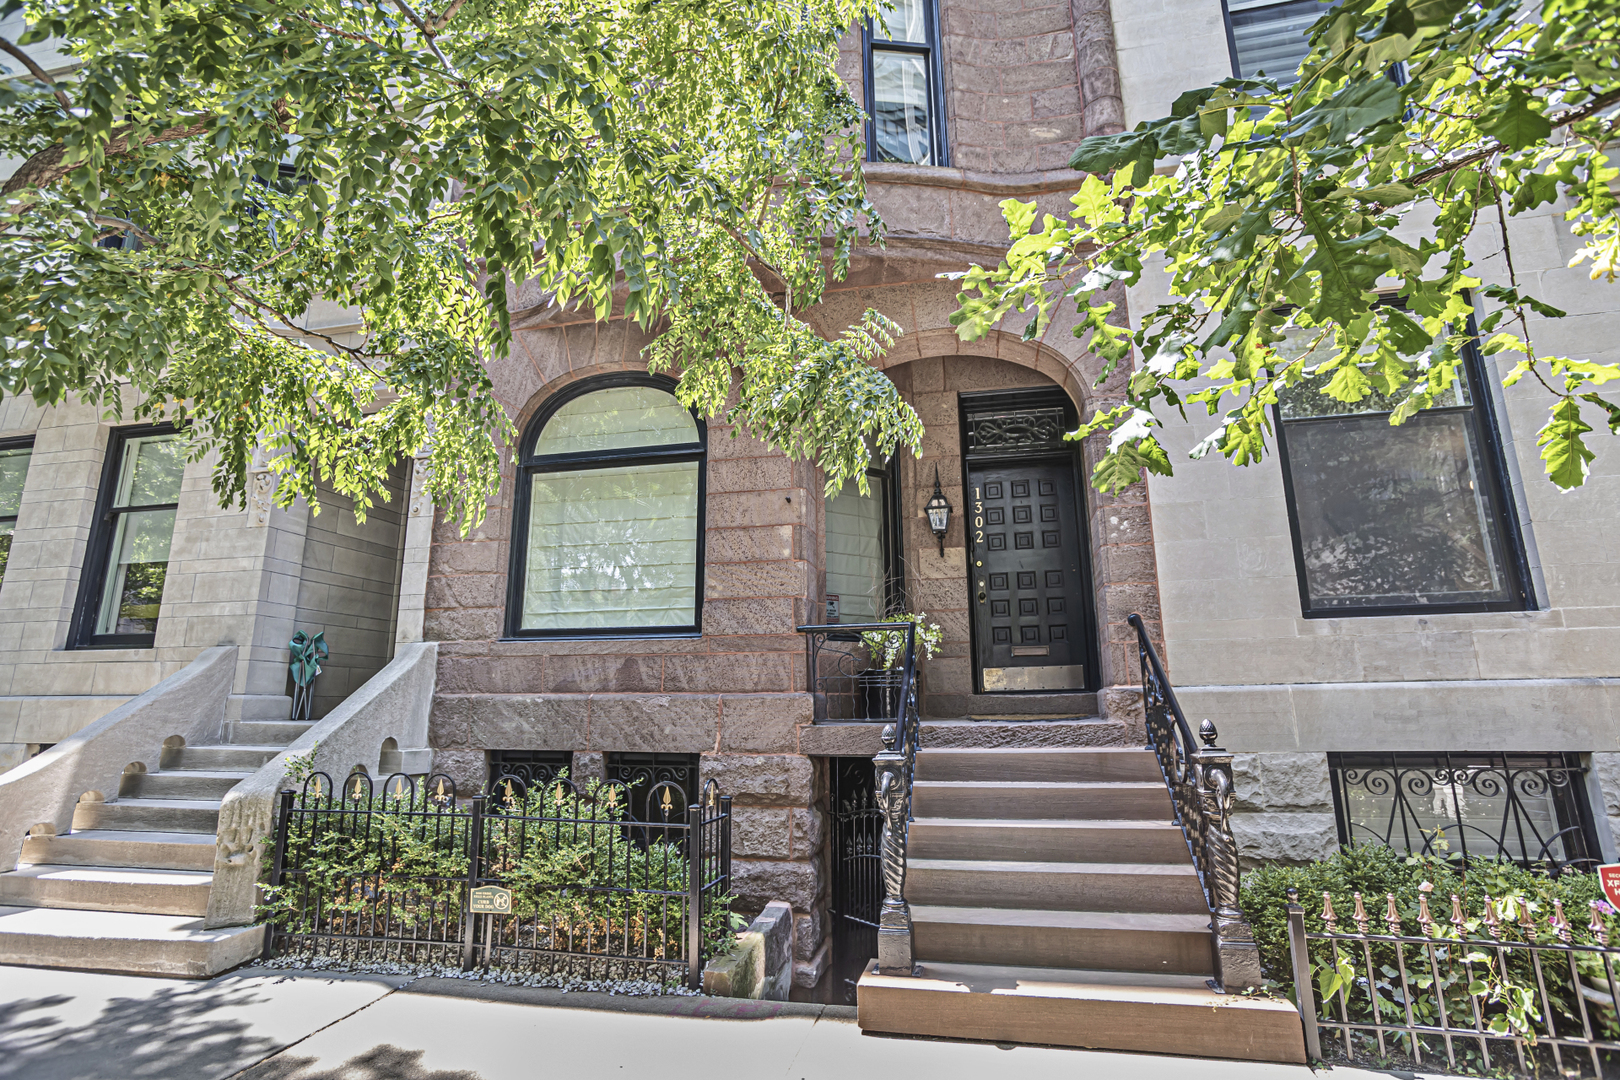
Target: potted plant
878	687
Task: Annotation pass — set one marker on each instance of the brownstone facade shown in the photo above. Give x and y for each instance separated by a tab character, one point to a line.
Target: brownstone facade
736	694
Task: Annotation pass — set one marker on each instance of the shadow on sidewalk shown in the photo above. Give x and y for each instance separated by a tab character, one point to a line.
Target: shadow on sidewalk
379	1063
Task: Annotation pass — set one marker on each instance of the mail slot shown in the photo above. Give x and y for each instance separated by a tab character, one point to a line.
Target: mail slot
1032	650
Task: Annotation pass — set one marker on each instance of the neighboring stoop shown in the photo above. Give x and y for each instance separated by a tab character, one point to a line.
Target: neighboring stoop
1053	901
161	879
127	889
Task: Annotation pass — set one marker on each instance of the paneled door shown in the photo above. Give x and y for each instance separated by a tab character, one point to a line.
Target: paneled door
1027	593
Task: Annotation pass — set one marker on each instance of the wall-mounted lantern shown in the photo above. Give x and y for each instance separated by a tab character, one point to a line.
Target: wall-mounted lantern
939	513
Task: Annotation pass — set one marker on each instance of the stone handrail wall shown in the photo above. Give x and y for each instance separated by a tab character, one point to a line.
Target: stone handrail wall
393	704
44	791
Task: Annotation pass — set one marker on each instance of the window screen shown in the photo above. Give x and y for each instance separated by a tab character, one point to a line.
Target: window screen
1270	38
13	470
856	545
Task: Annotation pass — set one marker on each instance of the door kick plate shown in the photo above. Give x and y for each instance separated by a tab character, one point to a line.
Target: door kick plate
1051	677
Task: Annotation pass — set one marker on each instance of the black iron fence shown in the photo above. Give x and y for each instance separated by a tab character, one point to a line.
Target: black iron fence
1509	989
550	879
860	671
1527	808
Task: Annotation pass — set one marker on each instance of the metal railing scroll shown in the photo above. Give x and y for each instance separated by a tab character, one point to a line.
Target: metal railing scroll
1199	779
886	655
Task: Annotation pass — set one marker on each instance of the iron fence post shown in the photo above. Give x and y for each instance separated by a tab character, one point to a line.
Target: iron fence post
475	842
1304	993
725	845
694	897
278	863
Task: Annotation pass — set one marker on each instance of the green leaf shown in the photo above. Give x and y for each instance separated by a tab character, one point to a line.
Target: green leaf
1610	409
1563	447
1515	123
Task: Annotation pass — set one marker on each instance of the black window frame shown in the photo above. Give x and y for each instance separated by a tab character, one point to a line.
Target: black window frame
893	600
25	442
1402	775
105	526
528	464
1486	428
1231	38
931	54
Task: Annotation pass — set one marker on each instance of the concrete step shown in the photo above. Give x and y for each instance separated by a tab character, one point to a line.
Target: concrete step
107	888
1047	841
1056	886
152	850
1165	1014
1100	940
1113	763
961	732
221	758
1083	800
149	815
186	784
267	732
123	942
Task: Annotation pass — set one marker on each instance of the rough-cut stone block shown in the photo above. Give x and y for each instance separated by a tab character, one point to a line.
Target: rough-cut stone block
740	972
758	832
808	973
515	722
808	830
740	672
1283	782
758	882
763	722
775	926
762	779
673	723
468	769
1284	838
604	673
809	928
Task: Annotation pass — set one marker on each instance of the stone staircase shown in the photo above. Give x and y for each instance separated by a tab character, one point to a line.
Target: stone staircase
1053	901
127	889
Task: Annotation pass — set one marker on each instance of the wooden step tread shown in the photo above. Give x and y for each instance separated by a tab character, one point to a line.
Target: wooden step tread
995	866
1062	920
117	875
114	836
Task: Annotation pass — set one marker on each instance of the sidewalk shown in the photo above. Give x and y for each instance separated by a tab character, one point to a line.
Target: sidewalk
263	1025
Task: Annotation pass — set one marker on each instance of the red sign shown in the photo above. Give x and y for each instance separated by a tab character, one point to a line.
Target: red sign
1609	879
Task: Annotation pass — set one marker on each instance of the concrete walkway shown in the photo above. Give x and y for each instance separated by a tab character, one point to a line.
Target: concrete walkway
263	1025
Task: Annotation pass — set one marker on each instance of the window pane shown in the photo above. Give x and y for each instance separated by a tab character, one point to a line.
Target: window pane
136	568
615	419
1271	38
7	528
900	107
612	548
1394	515
150	472
904	23
855	571
13	470
1306	399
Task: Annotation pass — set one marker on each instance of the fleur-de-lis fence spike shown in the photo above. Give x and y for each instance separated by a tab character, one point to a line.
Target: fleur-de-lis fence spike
1360	917
1392	916
1600	930
1328	918
1458	919
1425	917
355	794
1493	924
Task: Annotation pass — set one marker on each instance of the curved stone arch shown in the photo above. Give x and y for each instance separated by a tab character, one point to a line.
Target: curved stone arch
1000	345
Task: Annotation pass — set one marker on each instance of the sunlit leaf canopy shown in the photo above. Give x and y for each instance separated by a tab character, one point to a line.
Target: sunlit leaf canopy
1293	205
688	164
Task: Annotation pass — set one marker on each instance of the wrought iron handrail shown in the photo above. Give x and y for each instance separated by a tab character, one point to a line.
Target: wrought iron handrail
895	767
1199	780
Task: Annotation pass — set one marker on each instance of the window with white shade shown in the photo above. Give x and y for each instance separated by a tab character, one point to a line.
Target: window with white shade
14	457
129	549
858	549
903	96
609	526
1270	38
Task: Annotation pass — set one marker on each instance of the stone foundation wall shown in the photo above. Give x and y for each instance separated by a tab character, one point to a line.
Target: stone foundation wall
1284	808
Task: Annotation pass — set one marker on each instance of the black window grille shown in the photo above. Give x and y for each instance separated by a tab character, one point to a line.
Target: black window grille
1389	519
14	458
121	590
671	775
905	99
533	768
1528	808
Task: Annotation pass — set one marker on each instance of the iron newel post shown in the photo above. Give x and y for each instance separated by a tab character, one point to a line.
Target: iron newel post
894	922
1237	958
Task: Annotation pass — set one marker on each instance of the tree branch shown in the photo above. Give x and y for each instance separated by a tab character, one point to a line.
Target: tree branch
449	13
39	73
427	35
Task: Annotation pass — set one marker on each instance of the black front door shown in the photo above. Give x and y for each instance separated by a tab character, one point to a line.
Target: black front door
1028	574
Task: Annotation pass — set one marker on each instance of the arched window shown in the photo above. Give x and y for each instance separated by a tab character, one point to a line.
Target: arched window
608	531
